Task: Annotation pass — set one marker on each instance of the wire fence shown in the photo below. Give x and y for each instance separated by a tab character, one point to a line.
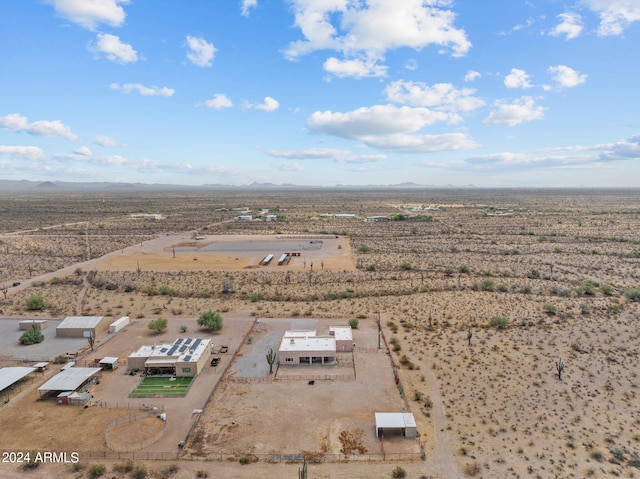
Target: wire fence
138	446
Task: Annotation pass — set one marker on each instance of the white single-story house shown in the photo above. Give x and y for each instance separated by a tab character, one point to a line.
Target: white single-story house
304	347
185	357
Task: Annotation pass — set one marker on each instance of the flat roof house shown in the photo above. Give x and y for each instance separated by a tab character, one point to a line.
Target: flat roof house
185	357
304	347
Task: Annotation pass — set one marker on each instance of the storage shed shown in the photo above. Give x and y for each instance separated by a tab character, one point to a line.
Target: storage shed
402	421
38	324
109	363
81	326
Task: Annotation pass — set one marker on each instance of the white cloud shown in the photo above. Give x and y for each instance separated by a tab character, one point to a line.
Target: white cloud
335	155
83	150
143	90
90	13
389	127
309	154
403	143
570	26
567	77
373	121
517	79
289	166
106	141
369	29
200	52
472	75
248	5
354	68
521	110
442	96
32	153
615	15
18	123
218	102
114	49
269	104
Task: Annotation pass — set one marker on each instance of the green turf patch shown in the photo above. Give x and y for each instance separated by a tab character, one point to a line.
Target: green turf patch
152	386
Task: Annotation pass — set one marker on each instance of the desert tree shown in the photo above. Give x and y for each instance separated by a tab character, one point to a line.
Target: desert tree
271	359
35	303
158	325
210	320
469	336
92	340
5	290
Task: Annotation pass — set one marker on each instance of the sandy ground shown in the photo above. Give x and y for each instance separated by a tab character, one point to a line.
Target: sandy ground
493	407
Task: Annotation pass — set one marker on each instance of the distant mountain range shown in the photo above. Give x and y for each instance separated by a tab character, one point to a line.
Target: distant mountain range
106	186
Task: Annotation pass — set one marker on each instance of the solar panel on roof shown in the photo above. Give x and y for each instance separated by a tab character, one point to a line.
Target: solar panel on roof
172	350
178	341
195	345
187	358
187	341
183	348
163	350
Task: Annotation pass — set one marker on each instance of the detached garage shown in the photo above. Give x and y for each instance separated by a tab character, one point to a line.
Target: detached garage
404	422
81	326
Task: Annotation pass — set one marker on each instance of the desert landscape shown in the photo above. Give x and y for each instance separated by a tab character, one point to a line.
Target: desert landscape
509	316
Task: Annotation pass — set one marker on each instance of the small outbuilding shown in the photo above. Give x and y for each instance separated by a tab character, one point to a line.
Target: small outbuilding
398	421
81	326
71	379
109	363
38	324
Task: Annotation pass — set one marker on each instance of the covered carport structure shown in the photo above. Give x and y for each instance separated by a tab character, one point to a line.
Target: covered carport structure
71	379
11	375
402	421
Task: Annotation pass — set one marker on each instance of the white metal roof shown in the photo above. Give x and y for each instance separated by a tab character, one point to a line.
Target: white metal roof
9	376
80	322
394	420
69	379
109	360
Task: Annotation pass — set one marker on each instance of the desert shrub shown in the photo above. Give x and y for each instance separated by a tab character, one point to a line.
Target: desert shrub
363	248
585	309
254	297
398	473
202	473
158	325
488	285
124	467
183	329
586	288
96	470
60	359
632	294
471	469
534	274
463	269
168	291
550	308
503	288
140	472
499	322
406	266
525	289
37	284
210	320
406	362
597	456
244	460
607	289
31	336
128	287
35	303
417	395
353	322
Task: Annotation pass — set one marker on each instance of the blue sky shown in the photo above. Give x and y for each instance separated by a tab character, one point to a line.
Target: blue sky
321	92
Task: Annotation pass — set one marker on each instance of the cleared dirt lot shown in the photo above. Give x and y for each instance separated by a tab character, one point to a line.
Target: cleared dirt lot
288	415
